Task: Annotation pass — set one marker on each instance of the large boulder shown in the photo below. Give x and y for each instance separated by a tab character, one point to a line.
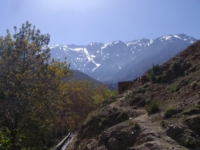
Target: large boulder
174	131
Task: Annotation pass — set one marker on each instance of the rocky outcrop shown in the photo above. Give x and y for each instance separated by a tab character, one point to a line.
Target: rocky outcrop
193	122
174	131
122	138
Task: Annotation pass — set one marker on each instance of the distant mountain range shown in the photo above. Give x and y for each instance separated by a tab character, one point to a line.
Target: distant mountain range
119	60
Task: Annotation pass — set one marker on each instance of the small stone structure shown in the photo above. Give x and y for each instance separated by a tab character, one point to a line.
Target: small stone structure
123	86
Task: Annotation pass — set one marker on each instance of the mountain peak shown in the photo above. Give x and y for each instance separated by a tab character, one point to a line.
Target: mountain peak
106	61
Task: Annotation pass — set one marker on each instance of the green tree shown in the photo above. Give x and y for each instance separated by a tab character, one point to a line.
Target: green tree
30	97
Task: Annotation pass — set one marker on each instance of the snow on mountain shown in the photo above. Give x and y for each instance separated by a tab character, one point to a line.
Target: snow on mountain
102	61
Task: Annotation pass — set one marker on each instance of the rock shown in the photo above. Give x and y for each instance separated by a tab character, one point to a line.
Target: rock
154	145
154	133
185	65
135	100
198	102
92	145
123	86
174	131
142	103
149	144
89	147
149	138
193	122
102	148
119	137
113	144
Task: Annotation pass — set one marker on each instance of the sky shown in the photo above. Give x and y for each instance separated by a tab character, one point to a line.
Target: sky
81	22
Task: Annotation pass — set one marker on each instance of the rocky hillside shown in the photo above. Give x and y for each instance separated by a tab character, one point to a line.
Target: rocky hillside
160	111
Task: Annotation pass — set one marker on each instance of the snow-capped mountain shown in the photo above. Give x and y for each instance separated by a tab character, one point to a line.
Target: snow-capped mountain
104	61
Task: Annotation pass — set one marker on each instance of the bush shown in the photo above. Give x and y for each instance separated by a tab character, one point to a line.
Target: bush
163	124
190	143
174	88
136	126
5	140
152	72
169	112
177	64
193	110
153	108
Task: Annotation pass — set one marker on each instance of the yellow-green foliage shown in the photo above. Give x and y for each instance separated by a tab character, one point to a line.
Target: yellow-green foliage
30	98
81	97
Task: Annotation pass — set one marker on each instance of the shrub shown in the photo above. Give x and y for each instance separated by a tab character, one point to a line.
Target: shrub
193	110
135	100
190	143
153	108
5	140
152	72
163	124
136	126
177	64
174	88
169	112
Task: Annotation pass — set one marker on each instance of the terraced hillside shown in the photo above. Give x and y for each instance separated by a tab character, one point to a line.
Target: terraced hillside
159	112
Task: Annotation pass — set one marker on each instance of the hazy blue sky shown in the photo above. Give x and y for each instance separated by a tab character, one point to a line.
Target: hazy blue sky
85	21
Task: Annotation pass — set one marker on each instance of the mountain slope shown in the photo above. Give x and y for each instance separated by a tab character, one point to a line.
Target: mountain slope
160	111
112	61
156	55
78	75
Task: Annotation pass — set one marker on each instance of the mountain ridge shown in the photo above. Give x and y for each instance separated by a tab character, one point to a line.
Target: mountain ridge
104	61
